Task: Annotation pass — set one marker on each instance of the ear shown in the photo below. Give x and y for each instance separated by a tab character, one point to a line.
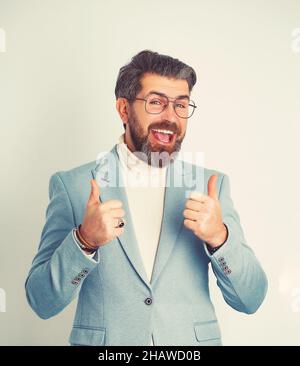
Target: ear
122	108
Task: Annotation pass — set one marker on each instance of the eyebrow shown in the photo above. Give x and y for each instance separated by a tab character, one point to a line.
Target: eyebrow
164	95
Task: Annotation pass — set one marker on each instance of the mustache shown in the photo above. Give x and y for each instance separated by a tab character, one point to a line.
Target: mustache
165	125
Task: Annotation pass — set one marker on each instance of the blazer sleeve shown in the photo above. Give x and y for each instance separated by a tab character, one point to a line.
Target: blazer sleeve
60	267
239	274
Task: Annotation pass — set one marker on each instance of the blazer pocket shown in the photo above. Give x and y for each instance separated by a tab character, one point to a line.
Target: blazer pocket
207	331
84	336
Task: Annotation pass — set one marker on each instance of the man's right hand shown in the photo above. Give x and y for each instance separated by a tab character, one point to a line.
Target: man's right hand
100	219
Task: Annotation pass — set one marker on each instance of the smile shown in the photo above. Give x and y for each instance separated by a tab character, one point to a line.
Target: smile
163	136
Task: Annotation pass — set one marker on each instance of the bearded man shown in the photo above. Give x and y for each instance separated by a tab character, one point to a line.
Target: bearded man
132	234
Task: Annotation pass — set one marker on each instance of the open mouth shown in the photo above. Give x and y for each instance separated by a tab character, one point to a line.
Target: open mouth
163	136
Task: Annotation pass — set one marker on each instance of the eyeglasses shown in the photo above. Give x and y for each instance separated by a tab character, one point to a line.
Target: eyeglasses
156	104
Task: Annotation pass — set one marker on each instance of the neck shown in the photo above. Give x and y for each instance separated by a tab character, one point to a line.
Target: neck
128	140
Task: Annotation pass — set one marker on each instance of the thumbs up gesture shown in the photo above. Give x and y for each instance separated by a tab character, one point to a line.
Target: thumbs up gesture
99	225
204	217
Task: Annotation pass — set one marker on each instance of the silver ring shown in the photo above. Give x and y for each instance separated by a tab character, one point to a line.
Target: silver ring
121	223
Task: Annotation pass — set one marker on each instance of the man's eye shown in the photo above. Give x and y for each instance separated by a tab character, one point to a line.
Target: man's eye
155	102
180	105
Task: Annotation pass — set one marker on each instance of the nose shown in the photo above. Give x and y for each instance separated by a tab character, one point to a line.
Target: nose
169	113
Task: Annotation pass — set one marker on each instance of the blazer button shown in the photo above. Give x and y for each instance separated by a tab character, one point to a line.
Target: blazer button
148	301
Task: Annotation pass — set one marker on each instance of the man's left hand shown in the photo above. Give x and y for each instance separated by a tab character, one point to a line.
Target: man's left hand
203	215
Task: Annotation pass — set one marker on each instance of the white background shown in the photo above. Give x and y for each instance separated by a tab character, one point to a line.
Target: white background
57	111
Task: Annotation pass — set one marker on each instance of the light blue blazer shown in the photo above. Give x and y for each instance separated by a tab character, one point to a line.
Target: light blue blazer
117	304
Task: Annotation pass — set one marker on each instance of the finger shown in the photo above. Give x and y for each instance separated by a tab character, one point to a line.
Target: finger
119	231
212	187
112	204
190	224
198	196
95	192
117	212
191	215
117	222
193	205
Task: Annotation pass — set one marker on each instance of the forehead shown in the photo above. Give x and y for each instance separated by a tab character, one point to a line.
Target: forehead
169	86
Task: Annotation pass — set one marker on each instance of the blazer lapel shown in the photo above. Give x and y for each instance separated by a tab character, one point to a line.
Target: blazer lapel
109	178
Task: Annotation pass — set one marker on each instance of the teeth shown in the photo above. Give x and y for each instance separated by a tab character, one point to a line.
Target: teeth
164	131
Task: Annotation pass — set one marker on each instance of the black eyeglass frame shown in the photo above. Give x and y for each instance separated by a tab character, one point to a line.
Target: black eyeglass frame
166	105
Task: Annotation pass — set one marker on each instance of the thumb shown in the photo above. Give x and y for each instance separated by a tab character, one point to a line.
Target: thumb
95	192
212	187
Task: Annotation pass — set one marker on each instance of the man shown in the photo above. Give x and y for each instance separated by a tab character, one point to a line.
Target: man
138	254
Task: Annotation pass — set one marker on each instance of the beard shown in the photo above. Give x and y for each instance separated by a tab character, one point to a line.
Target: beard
154	154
